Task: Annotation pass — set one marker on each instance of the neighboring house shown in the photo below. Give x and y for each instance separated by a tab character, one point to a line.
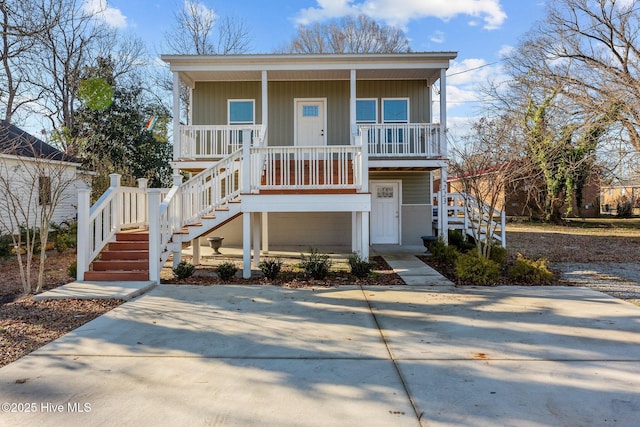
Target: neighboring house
613	196
517	198
31	170
328	150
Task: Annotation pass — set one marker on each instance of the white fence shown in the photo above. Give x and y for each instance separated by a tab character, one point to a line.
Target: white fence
404	140
206	142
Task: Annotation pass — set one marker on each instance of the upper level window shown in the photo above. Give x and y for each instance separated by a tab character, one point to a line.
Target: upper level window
395	110
241	111
367	110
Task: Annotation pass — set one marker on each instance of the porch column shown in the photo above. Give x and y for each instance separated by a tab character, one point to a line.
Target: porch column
195	246
176	116
355	231
265	232
265	106
246	245
443	112
352	104
364	230
443	221
256	238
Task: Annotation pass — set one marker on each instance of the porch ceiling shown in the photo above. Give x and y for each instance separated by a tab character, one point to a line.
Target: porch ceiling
408	66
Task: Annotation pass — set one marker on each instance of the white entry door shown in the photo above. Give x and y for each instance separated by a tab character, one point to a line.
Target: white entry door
385	212
310	122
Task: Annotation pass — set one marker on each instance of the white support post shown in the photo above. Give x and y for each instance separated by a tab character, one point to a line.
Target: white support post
364	253
265	106
265	232
176	116
365	161
443	113
154	234
246	161
246	245
176	220
195	246
141	201
443	217
352	104
256	238
354	232
84	235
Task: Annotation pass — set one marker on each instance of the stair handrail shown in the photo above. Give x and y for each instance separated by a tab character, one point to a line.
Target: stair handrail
478	214
118	208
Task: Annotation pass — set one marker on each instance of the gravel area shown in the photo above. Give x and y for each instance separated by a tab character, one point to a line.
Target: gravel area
621	280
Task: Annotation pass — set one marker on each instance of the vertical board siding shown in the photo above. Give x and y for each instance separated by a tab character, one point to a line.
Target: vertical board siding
210	100
415	185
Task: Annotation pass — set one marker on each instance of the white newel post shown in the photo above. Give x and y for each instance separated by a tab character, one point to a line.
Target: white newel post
116	206
154	234
176	220
84	195
141	201
246	161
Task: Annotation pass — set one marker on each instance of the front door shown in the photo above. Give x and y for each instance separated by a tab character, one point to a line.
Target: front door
310	122
385	212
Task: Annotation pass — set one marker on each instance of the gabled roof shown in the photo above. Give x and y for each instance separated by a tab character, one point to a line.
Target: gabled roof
16	142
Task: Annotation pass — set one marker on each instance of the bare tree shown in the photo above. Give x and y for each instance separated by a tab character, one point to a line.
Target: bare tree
486	165
21	23
359	34
588	50
35	180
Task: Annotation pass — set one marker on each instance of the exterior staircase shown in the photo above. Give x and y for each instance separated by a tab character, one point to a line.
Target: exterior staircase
125	259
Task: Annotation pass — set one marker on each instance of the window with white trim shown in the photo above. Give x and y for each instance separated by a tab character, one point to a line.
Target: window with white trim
395	110
241	111
366	110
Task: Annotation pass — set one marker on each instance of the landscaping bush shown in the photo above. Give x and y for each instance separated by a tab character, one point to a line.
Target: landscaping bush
226	270
270	267
477	269
442	252
183	270
624	207
498	254
64	236
72	270
359	267
6	244
457	239
316	265
530	271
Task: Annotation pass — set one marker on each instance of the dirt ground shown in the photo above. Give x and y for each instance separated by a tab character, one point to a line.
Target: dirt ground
26	325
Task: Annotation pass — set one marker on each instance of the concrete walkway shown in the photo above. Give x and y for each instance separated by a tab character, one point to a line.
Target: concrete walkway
347	356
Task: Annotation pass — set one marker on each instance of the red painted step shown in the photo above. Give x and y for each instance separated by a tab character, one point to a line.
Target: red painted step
112	276
126	259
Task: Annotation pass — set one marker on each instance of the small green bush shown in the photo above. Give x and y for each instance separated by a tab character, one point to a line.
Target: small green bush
72	270
359	267
6	244
457	239
442	252
270	267
530	271
183	270
624	207
477	269
316	265
498	254
226	270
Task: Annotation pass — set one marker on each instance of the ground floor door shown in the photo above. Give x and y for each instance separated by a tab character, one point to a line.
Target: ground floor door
385	212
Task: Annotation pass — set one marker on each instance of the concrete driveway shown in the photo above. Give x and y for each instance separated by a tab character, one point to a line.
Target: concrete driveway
400	356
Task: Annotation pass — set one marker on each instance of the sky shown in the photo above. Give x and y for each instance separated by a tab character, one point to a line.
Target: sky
481	31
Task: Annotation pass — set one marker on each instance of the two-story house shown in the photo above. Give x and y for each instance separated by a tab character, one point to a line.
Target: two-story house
309	150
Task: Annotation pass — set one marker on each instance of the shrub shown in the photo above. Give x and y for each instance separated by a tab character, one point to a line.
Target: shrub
624	207
64	236
530	271
316	265
270	267
183	270
359	267
498	254
443	252
477	269
226	270
6	244
457	239
72	270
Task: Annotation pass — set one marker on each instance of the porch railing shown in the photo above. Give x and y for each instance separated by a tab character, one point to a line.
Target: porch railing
404	140
294	168
477	219
206	142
